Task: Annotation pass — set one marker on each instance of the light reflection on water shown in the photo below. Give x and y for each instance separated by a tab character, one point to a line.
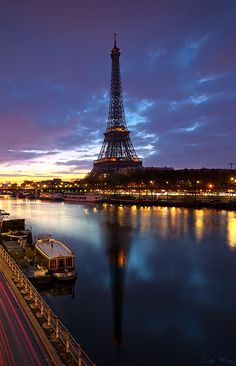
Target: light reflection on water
231	227
159	282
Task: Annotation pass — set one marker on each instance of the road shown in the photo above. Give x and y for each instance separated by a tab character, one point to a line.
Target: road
18	342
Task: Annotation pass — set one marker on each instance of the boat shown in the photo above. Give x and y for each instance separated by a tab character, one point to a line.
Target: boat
56	257
14	228
53	196
31	196
82	197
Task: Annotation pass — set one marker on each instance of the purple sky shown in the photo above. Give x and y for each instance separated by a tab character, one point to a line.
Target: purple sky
178	68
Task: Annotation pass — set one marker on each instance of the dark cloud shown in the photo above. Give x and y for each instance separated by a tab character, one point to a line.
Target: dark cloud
178	75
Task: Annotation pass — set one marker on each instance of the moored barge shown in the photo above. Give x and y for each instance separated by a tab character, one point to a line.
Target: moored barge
56	257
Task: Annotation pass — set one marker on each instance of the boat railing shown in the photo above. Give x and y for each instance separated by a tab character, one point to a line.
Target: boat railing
53	324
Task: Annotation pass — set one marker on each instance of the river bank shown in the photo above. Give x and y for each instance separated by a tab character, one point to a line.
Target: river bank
220	203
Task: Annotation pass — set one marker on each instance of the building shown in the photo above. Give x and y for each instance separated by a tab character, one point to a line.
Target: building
117	151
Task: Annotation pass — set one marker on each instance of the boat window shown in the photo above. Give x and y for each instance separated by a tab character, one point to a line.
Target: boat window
61	263
53	263
68	262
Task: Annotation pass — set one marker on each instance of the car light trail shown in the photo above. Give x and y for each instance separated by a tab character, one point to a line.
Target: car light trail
18	344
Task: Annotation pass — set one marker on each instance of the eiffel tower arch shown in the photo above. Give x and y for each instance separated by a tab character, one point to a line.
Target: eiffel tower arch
117	151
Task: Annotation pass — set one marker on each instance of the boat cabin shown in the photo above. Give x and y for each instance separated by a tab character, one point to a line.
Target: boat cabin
57	258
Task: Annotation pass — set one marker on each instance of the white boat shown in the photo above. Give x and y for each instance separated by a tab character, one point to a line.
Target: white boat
56	257
82	197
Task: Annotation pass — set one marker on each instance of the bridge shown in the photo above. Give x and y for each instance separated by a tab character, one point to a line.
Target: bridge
31	334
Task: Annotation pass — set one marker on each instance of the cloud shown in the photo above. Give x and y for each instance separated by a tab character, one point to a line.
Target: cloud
155	54
198	99
190	51
189	129
209	78
178	76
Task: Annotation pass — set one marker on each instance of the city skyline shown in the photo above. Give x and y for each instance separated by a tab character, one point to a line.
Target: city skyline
178	71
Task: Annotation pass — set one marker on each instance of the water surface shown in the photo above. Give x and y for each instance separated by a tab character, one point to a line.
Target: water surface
155	285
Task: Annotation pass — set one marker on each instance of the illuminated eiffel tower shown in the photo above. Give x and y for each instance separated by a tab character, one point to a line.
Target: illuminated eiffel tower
117	151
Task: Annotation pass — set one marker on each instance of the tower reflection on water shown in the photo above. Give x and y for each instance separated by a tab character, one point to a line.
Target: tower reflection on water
117	242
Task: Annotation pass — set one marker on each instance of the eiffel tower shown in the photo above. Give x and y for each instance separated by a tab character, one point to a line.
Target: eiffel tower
117	151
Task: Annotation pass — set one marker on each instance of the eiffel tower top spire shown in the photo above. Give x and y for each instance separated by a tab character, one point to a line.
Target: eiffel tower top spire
115	49
117	151
116	116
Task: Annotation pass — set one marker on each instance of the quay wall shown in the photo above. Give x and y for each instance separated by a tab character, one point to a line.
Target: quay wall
50	322
221	203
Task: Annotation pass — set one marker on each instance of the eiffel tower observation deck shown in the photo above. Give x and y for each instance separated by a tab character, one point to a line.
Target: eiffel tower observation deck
117	151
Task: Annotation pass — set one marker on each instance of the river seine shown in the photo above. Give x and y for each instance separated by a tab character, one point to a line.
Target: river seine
155	286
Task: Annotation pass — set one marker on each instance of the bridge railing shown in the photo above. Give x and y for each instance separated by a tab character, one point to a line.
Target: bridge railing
54	325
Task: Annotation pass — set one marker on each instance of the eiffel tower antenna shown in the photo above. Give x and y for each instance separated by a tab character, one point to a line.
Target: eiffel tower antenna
117	151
